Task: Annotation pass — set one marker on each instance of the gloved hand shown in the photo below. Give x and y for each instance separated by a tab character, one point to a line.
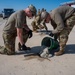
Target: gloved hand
23	47
51	34
30	33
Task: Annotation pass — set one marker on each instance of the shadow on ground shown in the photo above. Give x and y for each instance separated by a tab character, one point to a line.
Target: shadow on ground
70	49
34	52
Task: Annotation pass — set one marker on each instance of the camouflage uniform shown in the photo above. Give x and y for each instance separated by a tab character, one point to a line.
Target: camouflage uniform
38	23
16	20
62	20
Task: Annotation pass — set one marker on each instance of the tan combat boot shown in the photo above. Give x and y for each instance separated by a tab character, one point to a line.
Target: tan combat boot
60	52
3	50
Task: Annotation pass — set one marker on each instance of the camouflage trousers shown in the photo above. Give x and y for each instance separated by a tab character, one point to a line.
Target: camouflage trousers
63	36
9	41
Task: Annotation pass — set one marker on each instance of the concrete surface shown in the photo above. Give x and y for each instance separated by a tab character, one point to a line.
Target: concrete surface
34	65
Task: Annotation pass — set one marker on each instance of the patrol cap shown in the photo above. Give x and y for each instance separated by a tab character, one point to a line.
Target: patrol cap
44	15
32	9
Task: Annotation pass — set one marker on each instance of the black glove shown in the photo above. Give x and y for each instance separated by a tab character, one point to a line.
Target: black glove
51	34
23	47
30	33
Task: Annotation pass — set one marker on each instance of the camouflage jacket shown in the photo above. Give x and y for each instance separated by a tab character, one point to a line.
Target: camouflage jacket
59	16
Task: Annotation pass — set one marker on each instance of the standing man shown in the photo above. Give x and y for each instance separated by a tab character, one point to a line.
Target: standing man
63	20
16	26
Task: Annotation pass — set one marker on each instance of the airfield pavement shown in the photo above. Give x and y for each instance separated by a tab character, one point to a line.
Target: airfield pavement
34	65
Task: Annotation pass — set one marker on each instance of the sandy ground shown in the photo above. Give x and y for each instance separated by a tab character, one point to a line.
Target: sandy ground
34	65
